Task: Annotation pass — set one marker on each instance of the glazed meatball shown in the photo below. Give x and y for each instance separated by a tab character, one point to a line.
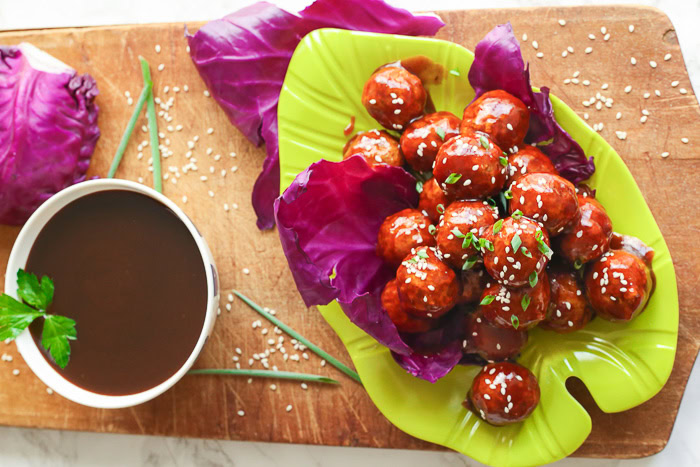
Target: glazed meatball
491	342
470	166
422	139
509	308
400	233
459	228
546	198
528	160
504	393
393	97
568	309
499	114
432	201
473	283
589	236
377	147
404	321
519	249
427	286
618	285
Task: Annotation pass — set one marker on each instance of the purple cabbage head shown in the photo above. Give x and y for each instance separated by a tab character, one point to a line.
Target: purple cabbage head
243	59
498	64
328	221
48	129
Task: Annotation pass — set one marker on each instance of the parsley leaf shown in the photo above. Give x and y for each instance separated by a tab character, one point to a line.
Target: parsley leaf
453	178
58	330
37	296
440	132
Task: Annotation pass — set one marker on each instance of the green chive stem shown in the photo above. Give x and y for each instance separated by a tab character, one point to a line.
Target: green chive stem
314	348
153	128
129	129
264	374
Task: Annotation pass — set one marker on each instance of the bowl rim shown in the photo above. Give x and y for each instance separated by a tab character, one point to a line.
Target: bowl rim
25	343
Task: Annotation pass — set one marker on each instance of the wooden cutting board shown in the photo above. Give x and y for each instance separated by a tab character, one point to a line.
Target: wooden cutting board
206	407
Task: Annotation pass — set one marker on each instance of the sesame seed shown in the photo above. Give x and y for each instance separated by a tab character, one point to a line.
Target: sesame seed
562	22
667	57
207	93
539	55
633	61
664	155
15	372
524	37
604	86
603	30
606	37
157	48
684	140
618	116
674	84
646	95
631	28
591	37
622	135
240	412
683	91
246	271
567	81
564	54
535	45
657	92
588	50
652	64
628	89
570	49
161	67
586	82
643	119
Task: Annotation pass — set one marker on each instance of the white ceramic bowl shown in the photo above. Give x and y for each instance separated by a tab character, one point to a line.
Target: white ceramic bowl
25	343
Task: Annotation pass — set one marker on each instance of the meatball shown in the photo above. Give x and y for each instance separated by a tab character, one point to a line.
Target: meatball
491	342
459	228
396	310
546	198
427	286
519	250
400	233
432	201
473	283
528	160
501	115
589	236
618	285
393	97
568	309
509	308
377	147
422	139
504	393
470	166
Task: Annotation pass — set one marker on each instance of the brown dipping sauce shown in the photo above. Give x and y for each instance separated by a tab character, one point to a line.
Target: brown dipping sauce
128	271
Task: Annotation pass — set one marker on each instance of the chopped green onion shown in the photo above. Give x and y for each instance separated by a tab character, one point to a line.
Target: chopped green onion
497	226
453	178
545	250
147	87
492	202
533	279
311	346
440	132
264	374
440	208
485	244
514	321
578	264
526	252
470	262
503	160
484	142
455	72
508	194
419	186
153	128
515	243
432	229
457	233
525	302
517	214
422	254
487	300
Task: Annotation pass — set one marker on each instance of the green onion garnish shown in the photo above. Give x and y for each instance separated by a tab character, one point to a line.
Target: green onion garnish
453	178
152	127
455	72
497	226
440	132
484	142
517	214
487	300
469	263
440	209
526	252
515	243
147	87
508	194
578	264
503	160
422	254
314	348
485	244
533	279
264	374
456	232
432	229
419	186
514	321
525	302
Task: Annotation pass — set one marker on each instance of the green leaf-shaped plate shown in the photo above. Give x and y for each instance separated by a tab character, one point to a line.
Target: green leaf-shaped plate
622	365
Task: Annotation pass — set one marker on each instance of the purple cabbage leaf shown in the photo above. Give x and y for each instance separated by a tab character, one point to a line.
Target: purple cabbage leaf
48	129
243	59
328	220
498	64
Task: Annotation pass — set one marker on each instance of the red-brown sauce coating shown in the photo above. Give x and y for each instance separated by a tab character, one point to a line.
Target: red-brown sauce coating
424	136
404	321
501	115
568	309
473	283
432	200
463	219
376	146
400	233
510	308
393	97
491	342
504	393
528	160
546	198
589	235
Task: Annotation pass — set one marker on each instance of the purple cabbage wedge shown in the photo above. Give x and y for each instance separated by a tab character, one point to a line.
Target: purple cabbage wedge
48	129
498	64
243	59
328	221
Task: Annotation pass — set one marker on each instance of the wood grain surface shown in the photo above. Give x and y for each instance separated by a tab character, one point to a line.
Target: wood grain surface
207	406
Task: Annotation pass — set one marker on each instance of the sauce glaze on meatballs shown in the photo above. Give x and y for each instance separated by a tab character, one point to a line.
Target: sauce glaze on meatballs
402	319
400	233
528	160
501	115
376	146
432	200
462	221
510	308
491	342
546	198
568	309
424	136
393	96
589	236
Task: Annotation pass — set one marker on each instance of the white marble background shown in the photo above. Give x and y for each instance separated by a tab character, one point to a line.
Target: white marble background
24	447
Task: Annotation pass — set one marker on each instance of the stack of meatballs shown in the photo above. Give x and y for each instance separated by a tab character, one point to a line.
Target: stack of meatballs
552	260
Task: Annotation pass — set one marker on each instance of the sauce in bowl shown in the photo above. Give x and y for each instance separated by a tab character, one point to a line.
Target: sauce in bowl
129	272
